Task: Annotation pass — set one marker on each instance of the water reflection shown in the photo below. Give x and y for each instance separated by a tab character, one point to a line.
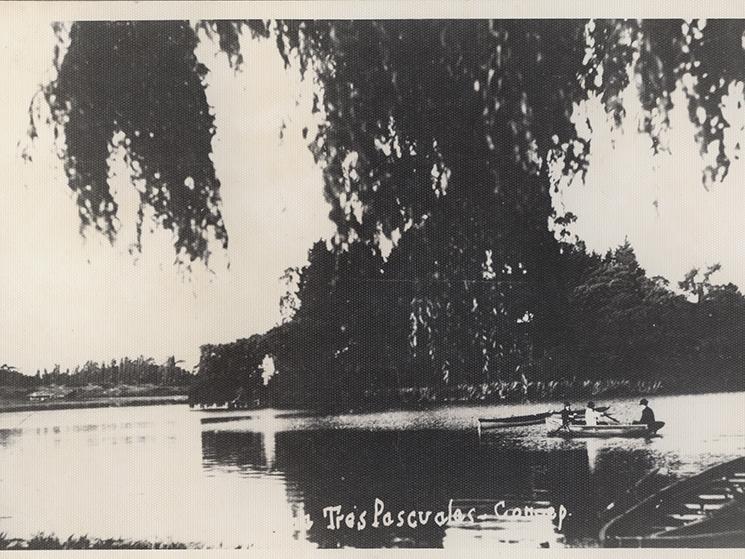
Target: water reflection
430	470
6	435
163	473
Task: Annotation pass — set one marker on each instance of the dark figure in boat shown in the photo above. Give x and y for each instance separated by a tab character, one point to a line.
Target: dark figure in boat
566	415
647	414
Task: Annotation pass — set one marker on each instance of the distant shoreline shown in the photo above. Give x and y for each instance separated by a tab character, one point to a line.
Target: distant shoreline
110	402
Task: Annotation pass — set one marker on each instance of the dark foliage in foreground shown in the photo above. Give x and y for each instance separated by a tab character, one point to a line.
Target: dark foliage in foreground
484	106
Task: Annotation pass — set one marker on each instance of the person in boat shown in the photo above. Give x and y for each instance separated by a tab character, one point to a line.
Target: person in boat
591	416
647	414
566	415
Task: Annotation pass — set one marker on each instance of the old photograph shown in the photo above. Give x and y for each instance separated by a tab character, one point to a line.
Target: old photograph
288	284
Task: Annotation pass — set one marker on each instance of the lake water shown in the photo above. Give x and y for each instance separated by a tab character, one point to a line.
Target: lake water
255	478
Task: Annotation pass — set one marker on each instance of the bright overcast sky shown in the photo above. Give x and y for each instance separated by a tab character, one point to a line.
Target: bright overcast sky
65	299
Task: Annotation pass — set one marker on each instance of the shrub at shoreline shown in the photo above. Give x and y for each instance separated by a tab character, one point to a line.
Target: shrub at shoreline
42	541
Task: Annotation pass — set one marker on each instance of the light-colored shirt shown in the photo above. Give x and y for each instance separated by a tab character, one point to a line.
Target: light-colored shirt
591	417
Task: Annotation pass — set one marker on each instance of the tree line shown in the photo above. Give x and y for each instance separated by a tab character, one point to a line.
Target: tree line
137	371
354	335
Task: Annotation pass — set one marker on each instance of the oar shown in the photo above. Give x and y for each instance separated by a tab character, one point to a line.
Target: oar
611	418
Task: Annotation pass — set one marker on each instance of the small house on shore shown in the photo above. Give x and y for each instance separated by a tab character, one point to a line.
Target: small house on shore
50	393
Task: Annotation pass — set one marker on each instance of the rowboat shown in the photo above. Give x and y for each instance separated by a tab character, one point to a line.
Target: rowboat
706	510
573	431
513	421
486	423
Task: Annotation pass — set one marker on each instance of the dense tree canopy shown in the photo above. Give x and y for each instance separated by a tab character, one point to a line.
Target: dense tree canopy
440	138
414	110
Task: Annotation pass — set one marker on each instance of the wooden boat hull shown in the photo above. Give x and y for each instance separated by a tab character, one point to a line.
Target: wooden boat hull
513	421
603	431
713	540
493	426
707	510
613	431
486	423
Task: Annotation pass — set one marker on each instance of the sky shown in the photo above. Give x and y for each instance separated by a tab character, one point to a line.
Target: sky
659	203
66	299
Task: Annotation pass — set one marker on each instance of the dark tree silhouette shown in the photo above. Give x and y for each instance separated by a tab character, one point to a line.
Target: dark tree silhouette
439	135
484	106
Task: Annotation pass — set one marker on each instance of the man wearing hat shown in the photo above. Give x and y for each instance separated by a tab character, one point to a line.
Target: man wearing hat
566	415
647	414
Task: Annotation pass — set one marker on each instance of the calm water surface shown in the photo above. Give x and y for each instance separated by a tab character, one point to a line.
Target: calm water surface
254	479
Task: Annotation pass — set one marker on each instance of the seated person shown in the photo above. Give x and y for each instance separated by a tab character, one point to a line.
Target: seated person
591	416
647	414
566	415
